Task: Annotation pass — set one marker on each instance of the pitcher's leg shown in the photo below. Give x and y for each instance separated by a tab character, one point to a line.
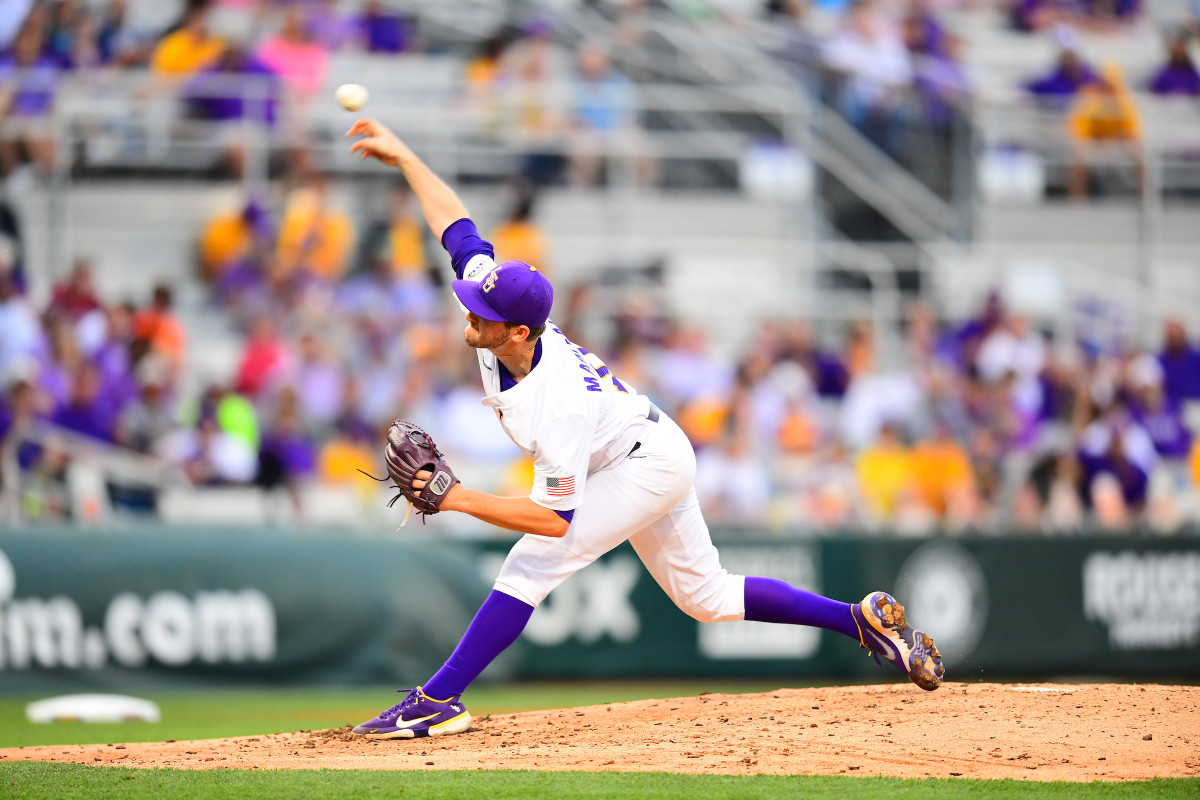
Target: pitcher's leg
678	551
771	600
496	625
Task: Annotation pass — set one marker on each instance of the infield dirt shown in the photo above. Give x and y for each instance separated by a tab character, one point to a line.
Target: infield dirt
1029	732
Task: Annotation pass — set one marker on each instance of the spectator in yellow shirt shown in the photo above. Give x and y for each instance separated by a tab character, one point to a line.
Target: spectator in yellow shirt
1194	462
1104	116
885	474
406	236
228	237
313	236
481	77
519	237
944	479
190	47
342	457
397	241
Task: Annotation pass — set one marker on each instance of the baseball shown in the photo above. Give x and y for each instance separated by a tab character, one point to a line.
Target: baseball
351	96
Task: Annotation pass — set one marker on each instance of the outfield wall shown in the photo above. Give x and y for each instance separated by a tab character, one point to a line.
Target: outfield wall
156	608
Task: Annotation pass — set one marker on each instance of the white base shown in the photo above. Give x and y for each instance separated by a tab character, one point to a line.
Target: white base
92	708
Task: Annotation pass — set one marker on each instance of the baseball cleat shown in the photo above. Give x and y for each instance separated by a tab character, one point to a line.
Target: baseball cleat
883	630
418	715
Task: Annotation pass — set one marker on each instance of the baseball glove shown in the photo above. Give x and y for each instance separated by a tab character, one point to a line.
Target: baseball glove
409	450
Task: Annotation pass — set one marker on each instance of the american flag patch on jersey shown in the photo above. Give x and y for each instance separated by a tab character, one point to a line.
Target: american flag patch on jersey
559	487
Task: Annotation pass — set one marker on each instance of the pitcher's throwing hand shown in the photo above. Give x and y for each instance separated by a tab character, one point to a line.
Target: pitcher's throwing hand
379	142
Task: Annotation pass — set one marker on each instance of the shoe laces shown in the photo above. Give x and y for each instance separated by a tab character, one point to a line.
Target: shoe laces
862	641
409	700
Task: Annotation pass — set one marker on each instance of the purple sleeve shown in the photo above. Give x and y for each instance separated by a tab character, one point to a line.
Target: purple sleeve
462	241
567	515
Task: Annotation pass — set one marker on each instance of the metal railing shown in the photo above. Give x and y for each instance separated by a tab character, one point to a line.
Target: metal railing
103	463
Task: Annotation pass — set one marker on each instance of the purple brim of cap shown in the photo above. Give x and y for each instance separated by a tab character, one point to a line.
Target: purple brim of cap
470	294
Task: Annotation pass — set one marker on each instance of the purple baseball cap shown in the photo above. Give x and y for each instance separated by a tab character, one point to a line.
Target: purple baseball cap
512	292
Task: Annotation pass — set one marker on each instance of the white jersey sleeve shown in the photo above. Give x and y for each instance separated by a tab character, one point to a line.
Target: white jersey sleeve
479	266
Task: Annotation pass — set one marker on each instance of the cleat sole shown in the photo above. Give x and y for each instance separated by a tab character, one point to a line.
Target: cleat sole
924	661
403	733
460	724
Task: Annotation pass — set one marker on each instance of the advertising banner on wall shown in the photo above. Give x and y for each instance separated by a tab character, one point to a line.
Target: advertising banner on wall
996	607
153	608
112	609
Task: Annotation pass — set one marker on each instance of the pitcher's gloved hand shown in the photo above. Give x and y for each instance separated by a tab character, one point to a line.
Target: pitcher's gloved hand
410	450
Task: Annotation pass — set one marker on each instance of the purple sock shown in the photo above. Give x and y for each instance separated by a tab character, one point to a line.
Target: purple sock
769	600
497	624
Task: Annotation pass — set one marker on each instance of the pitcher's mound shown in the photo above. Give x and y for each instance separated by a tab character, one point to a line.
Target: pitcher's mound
1033	732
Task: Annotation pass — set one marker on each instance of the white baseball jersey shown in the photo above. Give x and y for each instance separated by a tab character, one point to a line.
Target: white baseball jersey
570	413
580	425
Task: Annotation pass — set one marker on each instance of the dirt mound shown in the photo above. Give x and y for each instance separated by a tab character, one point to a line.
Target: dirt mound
1032	732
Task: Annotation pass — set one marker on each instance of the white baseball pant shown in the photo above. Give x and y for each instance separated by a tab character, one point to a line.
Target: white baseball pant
648	499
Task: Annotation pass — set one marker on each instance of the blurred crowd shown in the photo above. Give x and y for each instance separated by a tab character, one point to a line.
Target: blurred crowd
207	51
345	324
991	425
894	68
344	329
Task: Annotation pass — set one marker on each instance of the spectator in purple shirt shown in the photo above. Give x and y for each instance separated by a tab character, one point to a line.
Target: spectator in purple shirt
964	342
287	454
331	28
1032	16
922	27
1112	10
118	355
218	93
28	80
59	366
383	31
1116	445
319	383
1069	75
238	86
1178	76
86	411
1180	363
18	413
938	80
1161	418
825	370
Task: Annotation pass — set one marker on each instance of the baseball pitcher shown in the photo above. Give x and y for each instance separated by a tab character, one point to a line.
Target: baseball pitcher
608	466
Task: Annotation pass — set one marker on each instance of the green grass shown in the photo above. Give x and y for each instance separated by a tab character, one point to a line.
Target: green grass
74	780
215	714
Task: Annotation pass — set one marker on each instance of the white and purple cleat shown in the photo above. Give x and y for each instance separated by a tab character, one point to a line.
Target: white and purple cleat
418	715
884	630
